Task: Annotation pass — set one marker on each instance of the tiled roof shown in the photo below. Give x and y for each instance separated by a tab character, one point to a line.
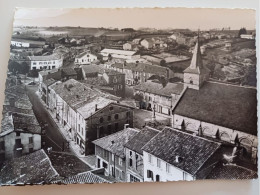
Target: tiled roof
69	71
49	82
12	109
89	107
112	72
141	138
157	88
46	72
67	164
81	178
117	51
34	168
26	122
142	67
221	104
194	151
45	58
114	143
92	69
222	171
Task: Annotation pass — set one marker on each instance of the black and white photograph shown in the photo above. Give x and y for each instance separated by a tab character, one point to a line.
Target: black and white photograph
130	95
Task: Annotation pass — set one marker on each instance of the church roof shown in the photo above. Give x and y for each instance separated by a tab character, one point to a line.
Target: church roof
221	104
196	65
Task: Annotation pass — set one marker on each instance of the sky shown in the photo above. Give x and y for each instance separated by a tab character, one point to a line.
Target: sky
160	18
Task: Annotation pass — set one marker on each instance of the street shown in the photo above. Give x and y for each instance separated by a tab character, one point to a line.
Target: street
52	138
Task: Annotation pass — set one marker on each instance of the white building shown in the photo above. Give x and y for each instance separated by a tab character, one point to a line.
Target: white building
147	43
23	43
85	58
45	62
247	36
119	54
174	155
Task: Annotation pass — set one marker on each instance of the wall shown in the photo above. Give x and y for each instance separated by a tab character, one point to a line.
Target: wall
174	173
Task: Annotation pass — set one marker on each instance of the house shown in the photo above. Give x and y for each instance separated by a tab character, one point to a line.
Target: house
34	168
23	43
225	117
45	62
48	74
20	135
45	89
134	154
87	113
85	58
247	36
68	73
130	46
89	177
174	155
92	71
119	54
110	153
147	43
157	97
64	53
139	72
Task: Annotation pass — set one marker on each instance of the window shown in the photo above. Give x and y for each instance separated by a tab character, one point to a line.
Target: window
30	150
150	158
53	62
167	168
30	140
127	114
116	126
106	153
40	63
130	162
111	108
98	163
53	67
18	134
104	165
158	163
130	154
116	116
34	63
149	174
109	118
113	157
78	127
109	128
2	145
101	120
120	161
45	62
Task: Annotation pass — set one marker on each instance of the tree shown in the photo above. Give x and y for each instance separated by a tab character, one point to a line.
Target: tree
163	63
242	31
13	66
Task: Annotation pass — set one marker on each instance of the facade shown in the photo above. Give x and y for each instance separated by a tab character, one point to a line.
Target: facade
20	135
247	36
147	43
85	58
136	73
45	62
134	154
182	159
23	43
157	97
119	54
110	155
218	117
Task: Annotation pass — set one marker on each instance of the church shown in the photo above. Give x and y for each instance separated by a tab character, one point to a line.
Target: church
220	111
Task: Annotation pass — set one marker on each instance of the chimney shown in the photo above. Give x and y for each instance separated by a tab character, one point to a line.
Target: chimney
178	159
96	107
200	131
126	126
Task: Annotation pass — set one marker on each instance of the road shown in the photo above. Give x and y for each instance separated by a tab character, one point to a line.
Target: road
52	138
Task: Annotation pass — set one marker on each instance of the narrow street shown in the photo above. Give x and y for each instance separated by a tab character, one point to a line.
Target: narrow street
52	138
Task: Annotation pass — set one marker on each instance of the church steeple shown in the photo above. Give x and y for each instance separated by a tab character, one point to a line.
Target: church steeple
196	73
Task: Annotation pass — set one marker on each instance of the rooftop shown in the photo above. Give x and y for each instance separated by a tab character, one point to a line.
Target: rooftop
222	171
83	54
34	168
114	143
142	67
141	138
157	88
221	104
66	164
29	41
45	58
194	151
92	69
119	52
69	71
49	82
86	177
